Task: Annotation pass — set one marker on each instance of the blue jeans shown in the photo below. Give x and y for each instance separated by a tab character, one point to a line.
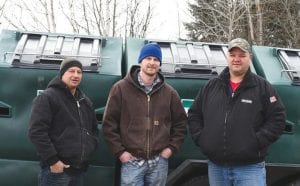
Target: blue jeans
47	178
248	175
140	175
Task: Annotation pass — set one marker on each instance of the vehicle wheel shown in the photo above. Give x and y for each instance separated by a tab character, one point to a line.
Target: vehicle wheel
295	182
291	181
197	181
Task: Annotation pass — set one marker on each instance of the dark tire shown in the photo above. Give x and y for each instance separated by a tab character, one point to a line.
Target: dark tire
197	181
295	182
290	181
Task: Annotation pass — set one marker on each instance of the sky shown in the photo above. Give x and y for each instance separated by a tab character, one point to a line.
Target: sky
168	20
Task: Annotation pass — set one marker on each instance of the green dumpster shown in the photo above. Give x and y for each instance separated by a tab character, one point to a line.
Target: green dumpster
28	61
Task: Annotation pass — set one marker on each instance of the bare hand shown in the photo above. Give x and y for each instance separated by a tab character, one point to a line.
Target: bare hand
166	153
58	167
125	157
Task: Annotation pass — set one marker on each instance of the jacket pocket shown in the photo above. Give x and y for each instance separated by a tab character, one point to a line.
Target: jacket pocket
134	135
91	143
246	148
160	135
209	144
68	141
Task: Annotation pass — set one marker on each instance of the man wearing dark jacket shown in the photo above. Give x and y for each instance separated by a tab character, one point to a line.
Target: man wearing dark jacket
234	118
63	128
144	121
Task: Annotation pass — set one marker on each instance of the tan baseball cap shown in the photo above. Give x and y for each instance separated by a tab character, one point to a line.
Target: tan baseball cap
239	43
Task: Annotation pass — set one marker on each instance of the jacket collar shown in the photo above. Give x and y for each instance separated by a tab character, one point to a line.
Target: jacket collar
56	82
132	76
248	80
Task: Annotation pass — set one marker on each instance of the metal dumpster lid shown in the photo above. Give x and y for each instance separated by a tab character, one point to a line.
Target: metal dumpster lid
188	59
46	51
290	62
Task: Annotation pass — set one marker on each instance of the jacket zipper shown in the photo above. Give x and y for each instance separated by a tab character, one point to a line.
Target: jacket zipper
232	95
225	120
78	107
148	127
227	111
225	123
224	133
79	113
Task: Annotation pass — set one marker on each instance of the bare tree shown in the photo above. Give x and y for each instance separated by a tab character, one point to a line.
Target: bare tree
248	5
114	18
97	17
291	26
49	14
281	23
2	6
263	22
137	22
217	20
68	9
100	17
259	22
31	15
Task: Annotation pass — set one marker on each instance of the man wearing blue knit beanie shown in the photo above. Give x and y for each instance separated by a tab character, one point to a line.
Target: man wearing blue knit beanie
144	121
151	49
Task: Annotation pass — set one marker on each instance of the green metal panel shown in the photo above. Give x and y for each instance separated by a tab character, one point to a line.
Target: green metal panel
24	173
268	65
18	172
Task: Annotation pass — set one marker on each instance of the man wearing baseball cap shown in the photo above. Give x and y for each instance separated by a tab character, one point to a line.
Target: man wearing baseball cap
63	128
144	121
234	119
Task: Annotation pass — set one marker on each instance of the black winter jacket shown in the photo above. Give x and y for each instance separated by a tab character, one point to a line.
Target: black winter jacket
236	129
63	127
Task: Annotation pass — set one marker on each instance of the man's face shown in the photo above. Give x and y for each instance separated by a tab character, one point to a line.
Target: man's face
150	65
72	77
238	61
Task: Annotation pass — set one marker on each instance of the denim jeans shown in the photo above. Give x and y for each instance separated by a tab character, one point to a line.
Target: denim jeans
248	175
139	175
47	178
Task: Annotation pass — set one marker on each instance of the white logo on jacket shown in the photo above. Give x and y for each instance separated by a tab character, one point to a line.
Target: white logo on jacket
246	101
273	99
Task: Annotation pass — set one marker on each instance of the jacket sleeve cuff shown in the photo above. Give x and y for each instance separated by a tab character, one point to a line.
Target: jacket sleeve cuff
118	154
172	149
52	160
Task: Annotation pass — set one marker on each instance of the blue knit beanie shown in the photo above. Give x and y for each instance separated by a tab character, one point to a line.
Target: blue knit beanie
150	49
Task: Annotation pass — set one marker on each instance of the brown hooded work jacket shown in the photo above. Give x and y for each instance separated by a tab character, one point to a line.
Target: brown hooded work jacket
143	124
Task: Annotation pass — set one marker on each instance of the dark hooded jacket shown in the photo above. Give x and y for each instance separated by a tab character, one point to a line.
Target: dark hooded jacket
236	128
143	124
63	127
